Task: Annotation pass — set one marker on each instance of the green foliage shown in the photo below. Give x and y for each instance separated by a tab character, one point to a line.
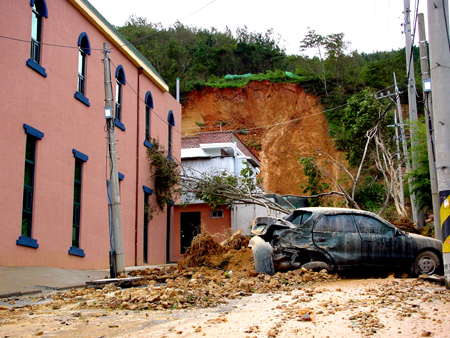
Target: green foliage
213	189
360	115
219	187
419	178
254	144
196	55
165	174
369	194
314	185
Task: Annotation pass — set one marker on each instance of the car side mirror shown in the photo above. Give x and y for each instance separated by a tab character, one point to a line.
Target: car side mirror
397	232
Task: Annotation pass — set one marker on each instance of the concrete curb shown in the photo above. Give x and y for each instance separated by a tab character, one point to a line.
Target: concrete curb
37	291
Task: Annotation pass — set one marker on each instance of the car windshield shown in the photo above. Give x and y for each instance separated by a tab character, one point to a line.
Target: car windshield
298	217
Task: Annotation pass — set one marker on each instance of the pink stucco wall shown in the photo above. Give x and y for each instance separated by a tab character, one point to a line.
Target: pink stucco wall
48	104
219	227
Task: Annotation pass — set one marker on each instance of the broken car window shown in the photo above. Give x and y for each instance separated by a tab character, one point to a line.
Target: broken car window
298	217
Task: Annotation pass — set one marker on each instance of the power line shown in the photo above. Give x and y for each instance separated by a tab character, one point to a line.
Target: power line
100	49
301	118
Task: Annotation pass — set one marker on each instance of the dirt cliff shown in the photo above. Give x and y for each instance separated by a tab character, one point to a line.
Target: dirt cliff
279	122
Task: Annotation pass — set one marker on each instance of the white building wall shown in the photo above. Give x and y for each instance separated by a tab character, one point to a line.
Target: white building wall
242	216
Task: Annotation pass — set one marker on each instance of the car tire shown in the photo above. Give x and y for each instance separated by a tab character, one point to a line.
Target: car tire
316	266
426	263
262	255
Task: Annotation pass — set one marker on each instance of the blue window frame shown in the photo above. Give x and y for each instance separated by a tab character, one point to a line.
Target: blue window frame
148	108
28	186
171	124
39	10
147	193
84	49
33	135
120	81
80	158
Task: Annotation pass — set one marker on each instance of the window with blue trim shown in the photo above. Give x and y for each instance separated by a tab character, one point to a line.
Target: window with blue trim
39	10
32	136
80	158
84	49
171	124
147	193
120	81
148	107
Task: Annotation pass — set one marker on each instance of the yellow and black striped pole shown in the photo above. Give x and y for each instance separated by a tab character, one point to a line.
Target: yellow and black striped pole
444	197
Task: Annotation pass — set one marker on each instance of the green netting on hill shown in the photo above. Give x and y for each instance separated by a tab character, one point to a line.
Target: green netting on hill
229	76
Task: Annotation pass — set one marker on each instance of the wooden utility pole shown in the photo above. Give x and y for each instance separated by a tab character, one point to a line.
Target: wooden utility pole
438	16
114	173
411	99
425	70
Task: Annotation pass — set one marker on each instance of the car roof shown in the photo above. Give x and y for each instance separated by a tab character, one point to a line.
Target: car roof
333	210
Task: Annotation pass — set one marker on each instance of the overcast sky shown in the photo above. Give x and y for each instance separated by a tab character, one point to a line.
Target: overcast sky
369	25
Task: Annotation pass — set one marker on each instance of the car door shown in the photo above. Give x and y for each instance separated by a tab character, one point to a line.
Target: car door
338	235
378	241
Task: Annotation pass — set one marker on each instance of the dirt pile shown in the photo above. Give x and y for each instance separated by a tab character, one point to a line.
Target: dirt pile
208	275
279	121
231	253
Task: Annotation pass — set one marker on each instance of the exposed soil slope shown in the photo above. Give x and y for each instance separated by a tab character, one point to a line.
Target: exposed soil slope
282	121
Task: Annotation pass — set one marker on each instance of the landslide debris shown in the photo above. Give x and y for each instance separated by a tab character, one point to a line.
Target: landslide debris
209	274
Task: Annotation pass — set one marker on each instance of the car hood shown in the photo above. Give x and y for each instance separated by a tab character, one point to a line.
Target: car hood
419	242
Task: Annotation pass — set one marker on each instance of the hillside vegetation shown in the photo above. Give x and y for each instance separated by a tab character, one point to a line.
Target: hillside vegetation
220	72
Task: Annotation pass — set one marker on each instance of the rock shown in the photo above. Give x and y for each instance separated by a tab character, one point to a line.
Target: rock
306	318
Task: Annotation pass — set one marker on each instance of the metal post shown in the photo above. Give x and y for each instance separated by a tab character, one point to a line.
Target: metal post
402	127
400	170
425	70
114	174
411	100
440	73
178	89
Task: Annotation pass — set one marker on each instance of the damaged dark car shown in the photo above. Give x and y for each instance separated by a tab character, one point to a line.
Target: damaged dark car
339	239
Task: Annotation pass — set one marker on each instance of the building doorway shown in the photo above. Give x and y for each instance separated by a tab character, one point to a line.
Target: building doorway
190	227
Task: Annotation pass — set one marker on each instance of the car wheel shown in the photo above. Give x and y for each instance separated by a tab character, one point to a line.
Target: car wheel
316	266
426	263
262	255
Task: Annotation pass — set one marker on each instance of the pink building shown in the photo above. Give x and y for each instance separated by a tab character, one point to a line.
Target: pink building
53	198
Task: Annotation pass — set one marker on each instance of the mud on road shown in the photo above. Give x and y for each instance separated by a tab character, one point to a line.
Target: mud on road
218	294
340	308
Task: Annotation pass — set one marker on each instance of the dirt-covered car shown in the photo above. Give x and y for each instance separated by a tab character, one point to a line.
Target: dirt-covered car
339	239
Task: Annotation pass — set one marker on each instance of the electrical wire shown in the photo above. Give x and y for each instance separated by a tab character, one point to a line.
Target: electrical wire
300	118
147	36
123	45
412	42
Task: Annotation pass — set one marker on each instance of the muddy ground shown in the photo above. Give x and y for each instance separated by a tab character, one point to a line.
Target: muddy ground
216	293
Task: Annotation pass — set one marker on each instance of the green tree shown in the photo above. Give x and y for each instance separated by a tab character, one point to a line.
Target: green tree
419	178
315	185
362	113
165	174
